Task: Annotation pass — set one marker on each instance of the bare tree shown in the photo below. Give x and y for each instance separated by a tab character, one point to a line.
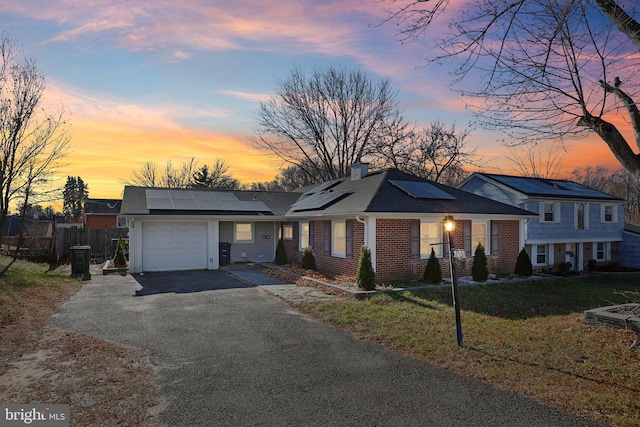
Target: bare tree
32	141
540	69
537	159
428	152
325	122
217	176
289	178
149	175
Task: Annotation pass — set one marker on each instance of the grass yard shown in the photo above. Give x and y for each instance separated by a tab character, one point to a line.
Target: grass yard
527	337
103	382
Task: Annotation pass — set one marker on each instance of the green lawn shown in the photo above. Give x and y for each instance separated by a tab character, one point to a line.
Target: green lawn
19	276
528	337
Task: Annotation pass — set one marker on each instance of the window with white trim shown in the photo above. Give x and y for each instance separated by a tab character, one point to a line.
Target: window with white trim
339	235
609	213
580	208
602	251
540	254
550	212
304	235
478	235
430	238
243	232
287	232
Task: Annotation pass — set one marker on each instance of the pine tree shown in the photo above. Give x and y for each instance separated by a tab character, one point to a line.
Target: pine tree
479	270
433	271
119	259
308	259
365	276
523	264
74	194
281	253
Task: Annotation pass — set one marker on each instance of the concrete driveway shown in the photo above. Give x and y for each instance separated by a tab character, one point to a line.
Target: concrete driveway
231	354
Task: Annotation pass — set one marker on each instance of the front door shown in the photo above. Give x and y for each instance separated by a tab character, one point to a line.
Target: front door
571	255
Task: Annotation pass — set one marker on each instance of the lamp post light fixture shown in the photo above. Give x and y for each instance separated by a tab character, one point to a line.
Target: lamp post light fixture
449	227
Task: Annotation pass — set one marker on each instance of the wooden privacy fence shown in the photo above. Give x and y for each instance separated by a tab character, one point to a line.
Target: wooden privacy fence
102	241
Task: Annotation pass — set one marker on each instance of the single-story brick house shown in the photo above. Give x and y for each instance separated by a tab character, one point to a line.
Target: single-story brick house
397	215
101	213
400	218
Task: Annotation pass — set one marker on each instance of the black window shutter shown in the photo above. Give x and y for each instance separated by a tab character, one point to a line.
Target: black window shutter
415	238
495	237
467	237
349	238
327	237
311	234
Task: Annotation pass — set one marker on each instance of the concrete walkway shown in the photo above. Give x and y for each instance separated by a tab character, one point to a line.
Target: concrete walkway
254	275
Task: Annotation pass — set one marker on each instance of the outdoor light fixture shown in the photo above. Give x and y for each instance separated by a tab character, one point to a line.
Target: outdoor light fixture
449	227
449	223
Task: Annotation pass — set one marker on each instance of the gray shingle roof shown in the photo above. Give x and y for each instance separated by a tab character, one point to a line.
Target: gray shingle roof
550	188
102	206
376	193
386	191
135	202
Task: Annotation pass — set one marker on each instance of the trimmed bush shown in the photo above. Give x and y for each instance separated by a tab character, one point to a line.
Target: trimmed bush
432	272
365	276
119	259
479	270
523	264
308	259
281	253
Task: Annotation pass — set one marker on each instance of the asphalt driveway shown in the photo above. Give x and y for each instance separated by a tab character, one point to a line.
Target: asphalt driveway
231	354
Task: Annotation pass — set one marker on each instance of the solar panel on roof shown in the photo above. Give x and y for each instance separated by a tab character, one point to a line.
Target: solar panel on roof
200	200
323	187
422	190
318	201
549	187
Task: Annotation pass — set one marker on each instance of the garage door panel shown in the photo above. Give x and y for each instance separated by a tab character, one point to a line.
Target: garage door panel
174	246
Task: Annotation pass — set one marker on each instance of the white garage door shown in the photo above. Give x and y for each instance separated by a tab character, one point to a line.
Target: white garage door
174	246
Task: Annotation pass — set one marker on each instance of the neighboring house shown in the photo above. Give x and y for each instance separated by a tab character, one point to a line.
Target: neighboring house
398	216
575	223
629	248
101	213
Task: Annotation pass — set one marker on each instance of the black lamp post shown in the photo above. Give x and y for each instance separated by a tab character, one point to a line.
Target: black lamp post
449	226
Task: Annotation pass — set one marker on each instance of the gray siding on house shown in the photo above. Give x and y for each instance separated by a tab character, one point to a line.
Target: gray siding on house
565	229
262	249
629	250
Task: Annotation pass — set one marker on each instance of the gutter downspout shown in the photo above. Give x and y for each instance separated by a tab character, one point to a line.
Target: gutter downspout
364	224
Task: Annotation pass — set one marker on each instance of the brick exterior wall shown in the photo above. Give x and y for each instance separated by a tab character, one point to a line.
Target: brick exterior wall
393	251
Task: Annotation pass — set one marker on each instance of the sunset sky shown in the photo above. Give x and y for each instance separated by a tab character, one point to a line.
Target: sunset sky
165	80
